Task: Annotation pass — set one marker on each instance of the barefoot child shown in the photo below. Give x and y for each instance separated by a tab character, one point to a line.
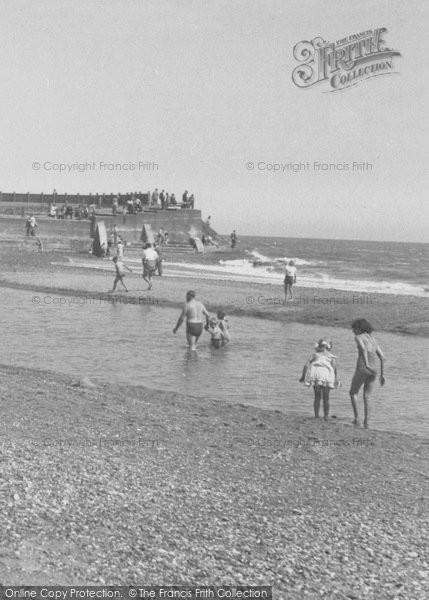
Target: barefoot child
223	326
215	331
120	273
366	372
320	371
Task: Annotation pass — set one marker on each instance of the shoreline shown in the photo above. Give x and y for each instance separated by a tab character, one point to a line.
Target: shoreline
333	308
122	484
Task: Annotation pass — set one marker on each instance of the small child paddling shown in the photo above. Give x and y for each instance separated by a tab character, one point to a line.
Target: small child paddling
320	371
223	326
217	336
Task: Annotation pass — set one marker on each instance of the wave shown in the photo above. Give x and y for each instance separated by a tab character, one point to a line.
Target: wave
257	257
241	270
244	271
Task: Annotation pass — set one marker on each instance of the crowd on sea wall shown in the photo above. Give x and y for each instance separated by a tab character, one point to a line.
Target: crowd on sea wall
130	204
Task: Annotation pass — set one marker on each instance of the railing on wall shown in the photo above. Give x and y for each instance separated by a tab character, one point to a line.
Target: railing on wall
100	200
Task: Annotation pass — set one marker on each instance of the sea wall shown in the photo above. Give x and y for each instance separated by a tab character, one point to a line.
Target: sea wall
178	224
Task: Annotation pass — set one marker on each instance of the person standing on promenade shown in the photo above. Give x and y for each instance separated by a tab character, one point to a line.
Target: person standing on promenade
290	279
162	199
366	372
154	197
320	371
233	237
193	311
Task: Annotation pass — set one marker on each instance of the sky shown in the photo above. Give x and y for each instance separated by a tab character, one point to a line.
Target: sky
204	88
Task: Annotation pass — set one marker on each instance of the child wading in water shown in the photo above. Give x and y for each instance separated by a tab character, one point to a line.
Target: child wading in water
120	274
320	371
217	337
224	326
366	373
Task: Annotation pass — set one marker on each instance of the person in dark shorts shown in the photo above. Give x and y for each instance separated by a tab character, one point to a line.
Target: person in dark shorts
193	311
150	259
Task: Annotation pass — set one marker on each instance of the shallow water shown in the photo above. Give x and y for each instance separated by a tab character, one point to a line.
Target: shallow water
134	344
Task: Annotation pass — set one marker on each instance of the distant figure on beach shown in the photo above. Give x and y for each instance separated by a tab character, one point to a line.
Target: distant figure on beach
159	260
150	259
120	273
185	199
233	237
191	201
224	326
53	210
366	371
115	234
320	371
193	311
160	236
215	332
30	226
290	279
120	248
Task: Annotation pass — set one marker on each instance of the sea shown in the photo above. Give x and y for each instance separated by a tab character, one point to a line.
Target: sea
353	266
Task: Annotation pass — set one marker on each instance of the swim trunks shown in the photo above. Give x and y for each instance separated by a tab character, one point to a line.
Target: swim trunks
194	329
149	267
289	280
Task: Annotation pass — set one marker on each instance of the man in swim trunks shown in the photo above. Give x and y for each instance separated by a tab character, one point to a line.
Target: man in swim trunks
193	311
150	260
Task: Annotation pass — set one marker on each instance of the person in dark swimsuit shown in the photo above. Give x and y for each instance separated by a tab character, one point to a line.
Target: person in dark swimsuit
193	311
366	372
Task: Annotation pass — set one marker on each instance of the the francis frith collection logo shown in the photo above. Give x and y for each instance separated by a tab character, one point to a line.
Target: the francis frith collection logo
344	63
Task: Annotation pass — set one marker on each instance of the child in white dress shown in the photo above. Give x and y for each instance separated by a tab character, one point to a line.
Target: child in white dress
320	371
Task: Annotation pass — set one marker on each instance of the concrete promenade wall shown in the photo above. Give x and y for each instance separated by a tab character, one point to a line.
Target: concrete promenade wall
177	223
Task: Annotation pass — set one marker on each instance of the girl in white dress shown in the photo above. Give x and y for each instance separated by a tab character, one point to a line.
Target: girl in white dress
320	371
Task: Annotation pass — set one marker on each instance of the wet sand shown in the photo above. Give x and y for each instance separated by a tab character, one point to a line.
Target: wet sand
397	314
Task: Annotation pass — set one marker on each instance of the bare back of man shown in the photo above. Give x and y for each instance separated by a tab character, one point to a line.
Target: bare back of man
193	311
